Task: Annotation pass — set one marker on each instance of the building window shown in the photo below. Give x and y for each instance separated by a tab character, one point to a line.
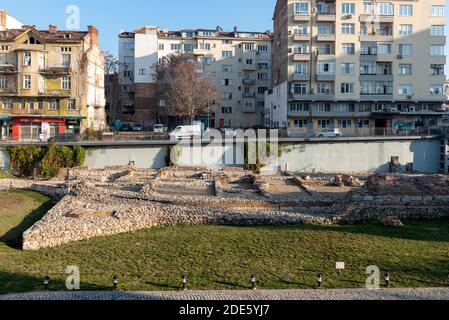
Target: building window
368	7
300	88
226	110
27	82
368	68
436	90
362	124
324	48
226	82
385	9
437	30
326	67
7	104
262	90
324	124
406	10
405	30
66	58
226	54
323	107
405	49
66	83
347	68
302	48
325	29
368	49
302	68
437	69
161	46
344	124
53	105
437	50
437	11
262	76
348	28
129	45
188	47
347	88
226	68
323	88
175	47
302	29
405	90
384	48
3	82
405	69
301	107
365	107
300	123
262	48
142	72
227	96
71	104
302	8
348	48
27	58
348	8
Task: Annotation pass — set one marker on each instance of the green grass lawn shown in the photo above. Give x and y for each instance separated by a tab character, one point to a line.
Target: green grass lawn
6	175
216	257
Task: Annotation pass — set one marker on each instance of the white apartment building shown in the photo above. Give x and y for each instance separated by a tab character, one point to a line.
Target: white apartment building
362	66
240	63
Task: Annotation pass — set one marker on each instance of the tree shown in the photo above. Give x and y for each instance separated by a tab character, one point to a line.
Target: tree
112	65
187	92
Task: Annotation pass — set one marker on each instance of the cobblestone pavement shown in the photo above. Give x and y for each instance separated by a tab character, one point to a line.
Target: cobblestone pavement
349	294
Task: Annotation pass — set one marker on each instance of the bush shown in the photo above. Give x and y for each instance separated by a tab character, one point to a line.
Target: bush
48	160
251	151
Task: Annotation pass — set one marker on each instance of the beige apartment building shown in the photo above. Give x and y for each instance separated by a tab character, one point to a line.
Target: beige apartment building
240	63
365	67
51	81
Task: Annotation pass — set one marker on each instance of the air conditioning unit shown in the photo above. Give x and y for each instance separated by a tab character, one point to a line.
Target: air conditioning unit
347	17
412	109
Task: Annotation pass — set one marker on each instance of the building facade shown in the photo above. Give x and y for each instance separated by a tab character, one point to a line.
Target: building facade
366	67
240	63
51	82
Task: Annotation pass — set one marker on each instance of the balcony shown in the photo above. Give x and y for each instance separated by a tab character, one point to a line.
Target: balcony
249	67
301	17
8	69
376	97
301	37
326	37
326	56
368	18
56	70
300	77
200	52
312	97
54	94
376	37
326	17
248	95
377	77
325	77
249	82
301	57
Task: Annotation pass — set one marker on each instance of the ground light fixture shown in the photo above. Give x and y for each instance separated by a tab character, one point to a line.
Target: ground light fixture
184	282
387	279
319	280
115	281
253	280
46	282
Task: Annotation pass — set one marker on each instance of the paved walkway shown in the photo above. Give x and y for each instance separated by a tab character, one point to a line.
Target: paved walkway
349	294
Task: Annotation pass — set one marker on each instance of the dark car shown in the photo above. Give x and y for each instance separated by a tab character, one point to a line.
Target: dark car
126	128
69	137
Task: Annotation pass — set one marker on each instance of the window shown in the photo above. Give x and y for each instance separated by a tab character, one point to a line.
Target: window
128	60
301	8
437	50
365	107
300	123
302	29
3	82
368	7
226	110
66	83
71	104
324	124
437	11
405	90
302	107
405	29
226	68
437	69
325	29
406	10
226	54
348	48
300	88
161	46
347	88
348	28
405	69
129	45
437	31
323	107
66	58
344	124
248	46
142	72
27	82
368	49
323	88
3	58
27	58
262	48
405	49
7	104
262	90
226	82
188	47
326	67
368	68
53	105
347	68
436	90
376	88
348	8
302	68
384	48
175	46
385	9
262	76
362	124
302	48
227	96
324	48
324	8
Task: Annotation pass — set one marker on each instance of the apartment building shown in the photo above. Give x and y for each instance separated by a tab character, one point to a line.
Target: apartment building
366	67
240	63
51	81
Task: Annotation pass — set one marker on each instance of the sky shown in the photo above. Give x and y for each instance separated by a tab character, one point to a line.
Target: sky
111	16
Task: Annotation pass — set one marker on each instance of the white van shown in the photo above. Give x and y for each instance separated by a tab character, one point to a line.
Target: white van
182	132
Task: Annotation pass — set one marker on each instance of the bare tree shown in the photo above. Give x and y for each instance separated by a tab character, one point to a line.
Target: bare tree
112	65
187	91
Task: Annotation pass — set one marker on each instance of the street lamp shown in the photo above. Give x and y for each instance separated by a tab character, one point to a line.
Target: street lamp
46	282
115	281
184	282
253	282
319	280
387	279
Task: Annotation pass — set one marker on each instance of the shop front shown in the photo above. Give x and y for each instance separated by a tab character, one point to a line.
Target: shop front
5	128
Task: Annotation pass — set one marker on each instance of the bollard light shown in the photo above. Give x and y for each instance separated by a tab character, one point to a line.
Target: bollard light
115	281
387	279
253	282
319	280
184	282
46	282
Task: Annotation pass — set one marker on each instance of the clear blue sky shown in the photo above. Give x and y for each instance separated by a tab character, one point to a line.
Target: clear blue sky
110	16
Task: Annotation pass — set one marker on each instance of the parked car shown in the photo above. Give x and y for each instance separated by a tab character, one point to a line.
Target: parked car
159	128
330	133
137	127
186	132
126	127
69	137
